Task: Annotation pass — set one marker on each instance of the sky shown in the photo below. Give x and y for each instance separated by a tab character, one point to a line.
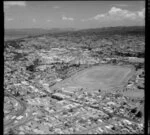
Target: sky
73	14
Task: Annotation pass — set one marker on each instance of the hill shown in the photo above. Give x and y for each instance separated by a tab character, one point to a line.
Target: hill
20	33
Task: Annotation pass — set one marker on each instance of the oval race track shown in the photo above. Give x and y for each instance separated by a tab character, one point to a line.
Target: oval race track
104	77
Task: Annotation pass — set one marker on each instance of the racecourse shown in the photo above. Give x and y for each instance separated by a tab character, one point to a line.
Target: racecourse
104	77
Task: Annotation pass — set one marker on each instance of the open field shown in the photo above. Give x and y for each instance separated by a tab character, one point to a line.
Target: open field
134	94
104	77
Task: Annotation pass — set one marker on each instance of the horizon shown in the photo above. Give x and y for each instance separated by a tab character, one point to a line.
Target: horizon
73	28
73	14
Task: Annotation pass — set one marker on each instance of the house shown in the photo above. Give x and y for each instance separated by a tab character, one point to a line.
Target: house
59	96
20	117
127	121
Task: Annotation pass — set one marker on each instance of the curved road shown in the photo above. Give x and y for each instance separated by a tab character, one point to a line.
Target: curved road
20	112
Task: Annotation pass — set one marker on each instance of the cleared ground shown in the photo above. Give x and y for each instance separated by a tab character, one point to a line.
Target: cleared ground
104	77
134	94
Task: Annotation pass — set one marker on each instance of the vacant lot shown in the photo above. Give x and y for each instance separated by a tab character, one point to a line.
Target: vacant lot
134	94
104	77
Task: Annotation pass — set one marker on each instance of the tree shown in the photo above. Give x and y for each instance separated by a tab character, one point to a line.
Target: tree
139	114
11	132
31	68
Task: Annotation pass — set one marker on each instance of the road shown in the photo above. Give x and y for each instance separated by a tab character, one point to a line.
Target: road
18	113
